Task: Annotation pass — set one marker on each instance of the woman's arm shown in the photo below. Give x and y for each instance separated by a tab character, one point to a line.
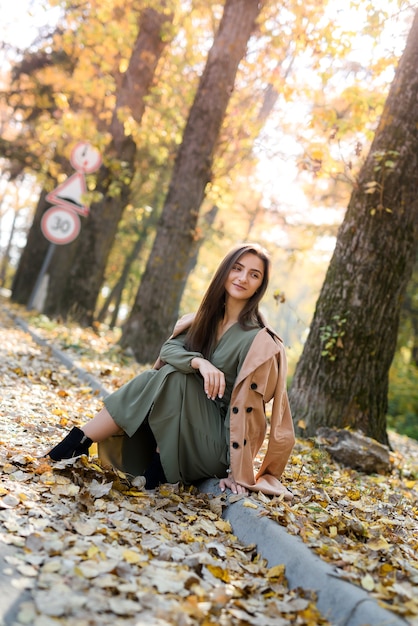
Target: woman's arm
213	378
174	353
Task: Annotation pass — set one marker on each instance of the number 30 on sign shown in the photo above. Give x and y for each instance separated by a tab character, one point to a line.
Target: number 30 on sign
59	225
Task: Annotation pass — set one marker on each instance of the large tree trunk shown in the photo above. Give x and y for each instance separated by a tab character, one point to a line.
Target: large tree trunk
32	257
6	255
409	317
159	294
208	220
115	295
341	379
77	273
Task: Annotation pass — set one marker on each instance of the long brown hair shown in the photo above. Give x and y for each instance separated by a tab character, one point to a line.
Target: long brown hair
201	336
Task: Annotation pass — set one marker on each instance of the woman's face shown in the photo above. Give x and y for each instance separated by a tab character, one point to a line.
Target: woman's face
245	277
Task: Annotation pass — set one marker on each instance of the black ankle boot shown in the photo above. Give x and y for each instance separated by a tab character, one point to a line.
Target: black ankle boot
154	474
75	443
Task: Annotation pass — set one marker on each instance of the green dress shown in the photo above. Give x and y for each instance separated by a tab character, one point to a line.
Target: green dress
192	431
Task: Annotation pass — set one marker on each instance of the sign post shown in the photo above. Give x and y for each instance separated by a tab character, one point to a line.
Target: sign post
61	224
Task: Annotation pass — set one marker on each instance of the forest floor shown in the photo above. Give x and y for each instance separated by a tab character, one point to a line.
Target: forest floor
94	548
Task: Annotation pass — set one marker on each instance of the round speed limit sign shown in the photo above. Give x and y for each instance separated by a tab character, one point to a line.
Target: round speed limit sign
59	225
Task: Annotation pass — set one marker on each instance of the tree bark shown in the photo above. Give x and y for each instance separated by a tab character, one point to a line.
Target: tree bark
6	256
78	270
341	379
409	317
32	257
208	220
158	298
115	294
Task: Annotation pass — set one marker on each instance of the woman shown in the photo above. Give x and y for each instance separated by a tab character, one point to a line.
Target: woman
201	411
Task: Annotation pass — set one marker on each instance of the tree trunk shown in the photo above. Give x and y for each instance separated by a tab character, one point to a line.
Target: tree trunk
115	294
32	257
341	379
206	227
6	256
409	318
78	271
157	301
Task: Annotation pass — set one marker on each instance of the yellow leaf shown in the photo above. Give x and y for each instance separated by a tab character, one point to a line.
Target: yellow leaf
95	467
188	537
223	525
378	544
48	479
317	153
333	531
277	571
131	556
92	551
9	468
367	582
219	572
250	505
354	494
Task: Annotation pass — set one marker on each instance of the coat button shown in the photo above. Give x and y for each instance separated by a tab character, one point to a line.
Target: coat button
235	445
249	409
235	409
253	385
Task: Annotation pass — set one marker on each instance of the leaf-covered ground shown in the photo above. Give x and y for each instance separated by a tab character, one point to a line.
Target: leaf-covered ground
94	548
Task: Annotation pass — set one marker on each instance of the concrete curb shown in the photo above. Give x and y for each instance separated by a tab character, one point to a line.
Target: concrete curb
61	356
341	602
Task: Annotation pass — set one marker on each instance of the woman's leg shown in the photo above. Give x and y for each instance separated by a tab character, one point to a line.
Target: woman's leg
79	440
101	426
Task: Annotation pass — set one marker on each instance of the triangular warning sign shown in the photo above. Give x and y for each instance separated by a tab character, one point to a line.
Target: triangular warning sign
69	194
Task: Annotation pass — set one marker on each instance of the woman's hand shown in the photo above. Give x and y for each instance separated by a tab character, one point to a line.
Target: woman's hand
213	379
229	483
